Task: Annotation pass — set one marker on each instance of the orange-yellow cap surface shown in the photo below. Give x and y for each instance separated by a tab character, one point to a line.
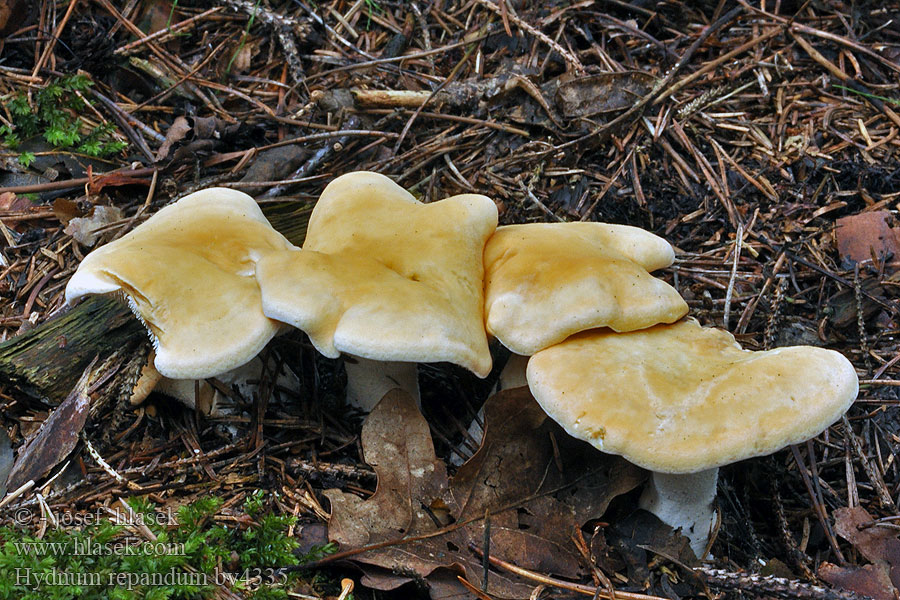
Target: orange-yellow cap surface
188	273
386	277
546	281
682	398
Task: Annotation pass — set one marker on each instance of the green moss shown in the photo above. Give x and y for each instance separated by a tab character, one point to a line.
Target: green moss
51	114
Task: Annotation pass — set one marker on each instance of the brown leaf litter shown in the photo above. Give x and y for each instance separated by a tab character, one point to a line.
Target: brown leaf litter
868	236
530	500
878	543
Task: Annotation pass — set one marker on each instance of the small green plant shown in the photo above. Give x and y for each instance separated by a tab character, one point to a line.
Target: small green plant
188	557
893	101
26	158
372	7
243	36
171	14
51	114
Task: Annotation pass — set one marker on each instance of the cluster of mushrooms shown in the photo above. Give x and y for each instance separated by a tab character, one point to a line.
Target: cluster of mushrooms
387	282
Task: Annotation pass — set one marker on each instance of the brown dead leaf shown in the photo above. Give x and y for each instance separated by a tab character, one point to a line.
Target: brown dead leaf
640	533
870	580
177	132
189	136
9	202
877	544
86	230
115	179
157	15
12	14
18	212
397	444
243	56
6	8
861	236
845	309
533	506
309	536
65	210
602	93
517	458
275	163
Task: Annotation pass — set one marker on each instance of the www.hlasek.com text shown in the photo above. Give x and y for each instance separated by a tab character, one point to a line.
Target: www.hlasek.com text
89	547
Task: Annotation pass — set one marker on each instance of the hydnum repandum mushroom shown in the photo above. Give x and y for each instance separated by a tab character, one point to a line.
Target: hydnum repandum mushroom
546	281
682	400
387	280
188	273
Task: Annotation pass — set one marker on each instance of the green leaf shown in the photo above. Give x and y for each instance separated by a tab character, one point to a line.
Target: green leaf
25	159
91	148
77	82
19	106
10	139
110	148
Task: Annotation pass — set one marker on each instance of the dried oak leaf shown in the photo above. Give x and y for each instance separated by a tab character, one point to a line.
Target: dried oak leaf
602	93
65	210
189	136
276	163
12	15
863	235
846	309
13	203
86	230
869	580
640	535
535	499
178	131
877	544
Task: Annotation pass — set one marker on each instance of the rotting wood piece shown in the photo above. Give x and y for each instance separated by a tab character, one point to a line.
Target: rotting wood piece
57	436
46	362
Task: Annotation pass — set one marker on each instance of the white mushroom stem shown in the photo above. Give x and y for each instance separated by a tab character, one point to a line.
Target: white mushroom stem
369	380
190	392
684	501
513	373
193	392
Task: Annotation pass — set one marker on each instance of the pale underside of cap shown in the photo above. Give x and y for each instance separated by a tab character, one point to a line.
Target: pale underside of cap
546	281
188	274
385	277
681	398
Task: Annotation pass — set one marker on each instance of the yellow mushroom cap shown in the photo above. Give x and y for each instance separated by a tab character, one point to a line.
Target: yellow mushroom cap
682	398
188	273
386	277
546	281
